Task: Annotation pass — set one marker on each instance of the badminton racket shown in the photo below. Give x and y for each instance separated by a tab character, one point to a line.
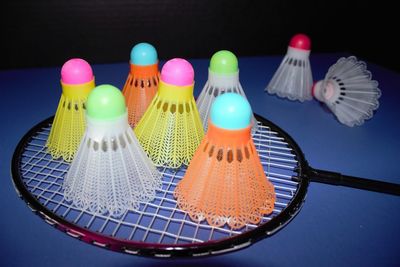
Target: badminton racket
159	228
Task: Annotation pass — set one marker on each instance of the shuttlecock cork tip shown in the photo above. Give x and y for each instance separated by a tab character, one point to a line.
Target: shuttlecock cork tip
144	54
76	71
300	41
231	111
105	102
177	71
224	62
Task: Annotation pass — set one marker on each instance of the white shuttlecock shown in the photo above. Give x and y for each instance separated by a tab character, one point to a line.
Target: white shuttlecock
223	77
110	173
348	91
293	78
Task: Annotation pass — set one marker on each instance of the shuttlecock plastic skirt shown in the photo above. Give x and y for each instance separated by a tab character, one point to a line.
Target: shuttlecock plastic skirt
69	122
139	90
170	130
216	85
225	182
110	173
293	78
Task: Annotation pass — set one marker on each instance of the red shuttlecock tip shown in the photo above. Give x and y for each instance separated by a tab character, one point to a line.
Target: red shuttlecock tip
300	41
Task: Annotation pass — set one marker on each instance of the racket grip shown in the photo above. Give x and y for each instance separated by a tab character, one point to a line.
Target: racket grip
334	178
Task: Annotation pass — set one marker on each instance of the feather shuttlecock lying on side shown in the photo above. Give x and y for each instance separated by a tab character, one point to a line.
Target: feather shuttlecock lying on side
348	91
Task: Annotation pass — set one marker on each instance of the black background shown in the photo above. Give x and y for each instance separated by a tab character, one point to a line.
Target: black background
48	32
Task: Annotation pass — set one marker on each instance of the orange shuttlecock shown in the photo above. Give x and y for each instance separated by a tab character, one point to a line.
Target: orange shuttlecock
142	82
225	182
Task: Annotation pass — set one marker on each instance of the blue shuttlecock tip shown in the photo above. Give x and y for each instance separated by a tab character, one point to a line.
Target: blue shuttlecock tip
144	54
231	111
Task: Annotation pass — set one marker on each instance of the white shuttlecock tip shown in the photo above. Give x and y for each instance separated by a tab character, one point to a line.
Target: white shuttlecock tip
316	90
324	91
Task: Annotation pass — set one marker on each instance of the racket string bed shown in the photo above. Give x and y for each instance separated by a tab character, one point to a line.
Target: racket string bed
159	221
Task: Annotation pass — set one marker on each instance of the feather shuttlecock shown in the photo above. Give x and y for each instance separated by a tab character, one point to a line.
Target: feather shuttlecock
293	78
348	91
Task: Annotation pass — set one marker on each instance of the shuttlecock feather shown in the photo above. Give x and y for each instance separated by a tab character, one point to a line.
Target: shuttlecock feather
348	91
293	78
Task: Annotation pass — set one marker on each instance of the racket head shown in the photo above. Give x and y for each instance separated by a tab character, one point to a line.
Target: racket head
159	229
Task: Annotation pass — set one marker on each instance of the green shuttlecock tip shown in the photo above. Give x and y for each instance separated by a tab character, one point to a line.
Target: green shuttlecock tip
224	62
105	102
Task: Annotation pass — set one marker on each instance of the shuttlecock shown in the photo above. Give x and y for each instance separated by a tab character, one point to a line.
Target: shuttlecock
77	81
110	173
142	82
225	181
223	77
293	78
170	129
348	91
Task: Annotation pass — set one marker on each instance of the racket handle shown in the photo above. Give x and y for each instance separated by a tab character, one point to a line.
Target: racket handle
335	178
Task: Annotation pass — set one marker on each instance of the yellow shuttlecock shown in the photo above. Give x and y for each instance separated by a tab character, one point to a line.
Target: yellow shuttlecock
171	129
77	81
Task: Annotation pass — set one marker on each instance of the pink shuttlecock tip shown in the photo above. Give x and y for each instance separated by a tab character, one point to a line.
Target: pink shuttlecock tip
300	41
313	89
76	71
177	71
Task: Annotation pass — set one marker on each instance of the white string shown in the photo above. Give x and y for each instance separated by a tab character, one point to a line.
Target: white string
165	223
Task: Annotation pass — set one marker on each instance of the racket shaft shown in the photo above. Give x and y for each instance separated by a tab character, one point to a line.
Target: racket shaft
335	178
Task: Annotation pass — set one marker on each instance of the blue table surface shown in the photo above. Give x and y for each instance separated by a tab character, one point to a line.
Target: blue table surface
337	226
